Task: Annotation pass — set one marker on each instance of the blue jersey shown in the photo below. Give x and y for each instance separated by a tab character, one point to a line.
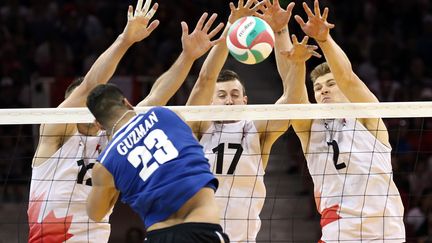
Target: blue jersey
157	164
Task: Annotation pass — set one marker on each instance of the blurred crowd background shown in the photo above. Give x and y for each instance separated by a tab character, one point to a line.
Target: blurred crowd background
389	43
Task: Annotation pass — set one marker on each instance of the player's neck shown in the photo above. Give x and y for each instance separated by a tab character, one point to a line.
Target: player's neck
122	120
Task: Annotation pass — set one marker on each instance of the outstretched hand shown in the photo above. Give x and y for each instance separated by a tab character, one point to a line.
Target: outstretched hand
199	41
243	10
137	27
317	26
301	51
275	15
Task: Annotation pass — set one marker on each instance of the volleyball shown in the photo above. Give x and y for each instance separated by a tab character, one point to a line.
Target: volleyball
250	40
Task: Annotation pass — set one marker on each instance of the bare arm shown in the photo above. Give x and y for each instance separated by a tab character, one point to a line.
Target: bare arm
203	89
294	93
318	28
103	195
278	19
137	29
350	84
194	46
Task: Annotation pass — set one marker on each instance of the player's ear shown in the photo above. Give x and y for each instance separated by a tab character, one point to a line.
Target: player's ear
127	104
245	99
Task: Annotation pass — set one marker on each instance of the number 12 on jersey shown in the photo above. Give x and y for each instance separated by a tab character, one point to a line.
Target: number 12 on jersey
165	151
220	157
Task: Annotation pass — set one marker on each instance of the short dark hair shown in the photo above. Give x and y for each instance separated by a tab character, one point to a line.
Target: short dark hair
229	75
73	85
319	71
104	100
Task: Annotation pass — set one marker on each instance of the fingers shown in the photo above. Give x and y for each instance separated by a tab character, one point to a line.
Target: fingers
290	7
266	4
146	6
201	21
259	6
130	13
256	14
216	42
240	3
316	54
249	3
299	21
232	6
312	47
209	23
294	39
305	40
325	14
307	10
216	30
153	25
317	9
330	26
152	11
138	7
185	28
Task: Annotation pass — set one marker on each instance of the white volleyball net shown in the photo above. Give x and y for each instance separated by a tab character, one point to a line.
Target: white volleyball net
357	186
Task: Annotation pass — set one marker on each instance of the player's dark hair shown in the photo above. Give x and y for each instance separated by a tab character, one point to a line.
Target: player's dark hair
104	100
229	75
319	71
73	85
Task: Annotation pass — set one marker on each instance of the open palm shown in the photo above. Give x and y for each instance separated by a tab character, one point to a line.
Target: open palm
317	26
137	27
274	15
199	41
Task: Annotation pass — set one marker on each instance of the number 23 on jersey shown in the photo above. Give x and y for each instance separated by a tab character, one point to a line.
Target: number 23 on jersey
165	151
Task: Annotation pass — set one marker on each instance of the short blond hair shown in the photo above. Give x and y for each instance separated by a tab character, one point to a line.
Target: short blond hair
319	71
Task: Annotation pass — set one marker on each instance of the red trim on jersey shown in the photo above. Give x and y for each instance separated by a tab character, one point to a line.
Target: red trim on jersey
329	215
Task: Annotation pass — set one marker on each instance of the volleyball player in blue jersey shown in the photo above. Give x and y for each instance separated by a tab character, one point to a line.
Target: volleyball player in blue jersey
153	163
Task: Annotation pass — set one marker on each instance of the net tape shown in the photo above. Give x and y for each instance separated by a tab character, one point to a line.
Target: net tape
234	112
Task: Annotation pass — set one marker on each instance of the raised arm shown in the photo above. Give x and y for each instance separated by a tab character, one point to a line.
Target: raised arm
137	29
278	19
194	46
294	93
318	28
203	89
349	83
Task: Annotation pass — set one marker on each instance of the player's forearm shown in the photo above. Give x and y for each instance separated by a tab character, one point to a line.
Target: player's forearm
204	87
294	85
106	64
282	43
337	60
169	82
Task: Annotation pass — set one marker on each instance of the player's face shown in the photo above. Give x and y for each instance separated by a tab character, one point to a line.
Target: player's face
326	90
229	93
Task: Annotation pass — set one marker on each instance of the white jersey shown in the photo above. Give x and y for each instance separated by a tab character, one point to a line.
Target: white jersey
353	184
234	154
58	194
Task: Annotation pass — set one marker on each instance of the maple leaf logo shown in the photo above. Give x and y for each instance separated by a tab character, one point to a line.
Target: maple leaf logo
51	229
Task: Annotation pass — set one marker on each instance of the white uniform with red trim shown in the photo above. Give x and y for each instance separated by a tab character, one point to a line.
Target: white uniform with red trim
353	184
234	154
58	194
